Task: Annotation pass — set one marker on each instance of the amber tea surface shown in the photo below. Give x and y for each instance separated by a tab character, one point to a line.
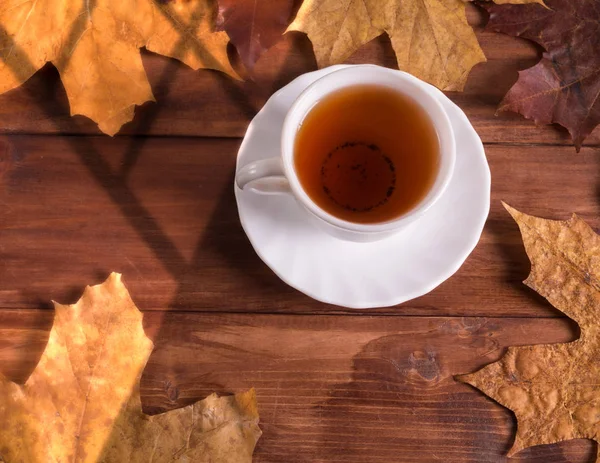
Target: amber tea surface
366	154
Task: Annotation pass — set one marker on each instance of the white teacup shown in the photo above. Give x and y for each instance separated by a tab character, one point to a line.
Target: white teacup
277	175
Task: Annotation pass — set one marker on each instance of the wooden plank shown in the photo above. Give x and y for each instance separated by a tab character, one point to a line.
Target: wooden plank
207	103
162	212
357	389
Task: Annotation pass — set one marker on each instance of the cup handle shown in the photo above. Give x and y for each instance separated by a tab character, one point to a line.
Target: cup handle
265	176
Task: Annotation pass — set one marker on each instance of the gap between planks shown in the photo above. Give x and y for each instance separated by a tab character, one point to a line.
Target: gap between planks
235	137
329	314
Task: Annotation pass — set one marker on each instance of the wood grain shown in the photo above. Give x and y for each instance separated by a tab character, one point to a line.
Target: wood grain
162	212
330	389
207	103
157	205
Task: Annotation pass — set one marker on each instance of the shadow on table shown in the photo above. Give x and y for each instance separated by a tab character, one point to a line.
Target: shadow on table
515	261
115	183
399	388
224	240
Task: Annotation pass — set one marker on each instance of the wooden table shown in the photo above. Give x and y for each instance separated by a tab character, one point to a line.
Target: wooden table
334	385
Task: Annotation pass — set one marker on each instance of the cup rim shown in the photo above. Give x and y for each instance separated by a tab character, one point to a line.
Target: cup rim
440	121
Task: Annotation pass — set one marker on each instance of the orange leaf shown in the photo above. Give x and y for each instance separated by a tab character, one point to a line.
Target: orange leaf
95	45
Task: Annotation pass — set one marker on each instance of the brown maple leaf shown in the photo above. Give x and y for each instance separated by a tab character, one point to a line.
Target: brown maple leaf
431	38
554	390
82	402
253	26
95	47
564	87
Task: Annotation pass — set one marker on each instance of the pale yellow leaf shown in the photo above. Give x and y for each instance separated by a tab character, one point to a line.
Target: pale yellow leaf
82	402
431	38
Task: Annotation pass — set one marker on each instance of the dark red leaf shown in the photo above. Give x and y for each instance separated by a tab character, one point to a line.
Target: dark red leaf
564	87
253	26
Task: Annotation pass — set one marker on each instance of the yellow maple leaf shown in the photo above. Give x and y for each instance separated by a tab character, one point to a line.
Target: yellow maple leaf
554	389
82	402
431	38
95	45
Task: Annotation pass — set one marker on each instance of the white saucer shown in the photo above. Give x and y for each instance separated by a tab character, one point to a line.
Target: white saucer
361	275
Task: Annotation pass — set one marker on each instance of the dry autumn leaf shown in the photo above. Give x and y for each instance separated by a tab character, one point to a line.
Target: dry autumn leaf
554	389
82	402
564	87
253	26
432	39
95	47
